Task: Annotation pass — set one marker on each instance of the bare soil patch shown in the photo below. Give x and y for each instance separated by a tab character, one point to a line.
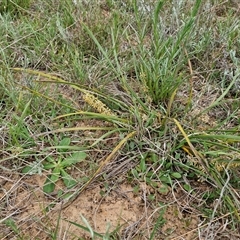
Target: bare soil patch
23	201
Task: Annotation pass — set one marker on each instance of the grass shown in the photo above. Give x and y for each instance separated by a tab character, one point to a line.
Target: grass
150	81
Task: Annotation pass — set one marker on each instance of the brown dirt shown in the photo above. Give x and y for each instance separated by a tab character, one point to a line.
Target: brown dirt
22	198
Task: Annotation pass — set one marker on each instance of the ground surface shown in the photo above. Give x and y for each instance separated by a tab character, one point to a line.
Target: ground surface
118	208
154	186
